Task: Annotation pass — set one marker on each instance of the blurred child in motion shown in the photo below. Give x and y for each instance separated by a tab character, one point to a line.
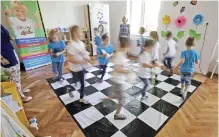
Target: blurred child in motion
78	59
105	51
156	48
170	54
141	40
146	64
97	38
188	59
56	50
120	74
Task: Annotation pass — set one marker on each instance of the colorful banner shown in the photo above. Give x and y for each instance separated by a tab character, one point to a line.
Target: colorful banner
26	27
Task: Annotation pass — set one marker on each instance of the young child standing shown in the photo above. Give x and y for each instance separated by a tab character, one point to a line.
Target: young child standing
141	41
120	74
145	61
187	60
78	58
124	31
105	51
56	50
97	38
171	51
156	48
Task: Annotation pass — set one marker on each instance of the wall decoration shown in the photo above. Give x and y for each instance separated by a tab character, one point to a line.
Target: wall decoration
180	22
175	3
193	2
197	20
182	9
166	21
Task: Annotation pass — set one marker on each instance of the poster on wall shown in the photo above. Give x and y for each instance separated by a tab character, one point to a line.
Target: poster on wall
26	27
99	18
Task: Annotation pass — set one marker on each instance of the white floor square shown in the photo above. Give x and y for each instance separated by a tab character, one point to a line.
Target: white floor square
151	100
66	99
191	88
92	69
88	116
173	99
67	76
162	77
95	98
106	76
165	86
121	123
88	75
176	77
108	69
153	118
78	85
101	86
57	84
126	86
141	85
119	134
110	64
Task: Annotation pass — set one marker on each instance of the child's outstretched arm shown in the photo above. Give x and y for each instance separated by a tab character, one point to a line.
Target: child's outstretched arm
38	23
150	65
8	12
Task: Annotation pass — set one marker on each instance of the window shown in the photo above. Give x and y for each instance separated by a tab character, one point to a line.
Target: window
143	13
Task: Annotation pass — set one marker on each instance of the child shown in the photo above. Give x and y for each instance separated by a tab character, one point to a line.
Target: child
141	41
156	48
171	51
145	60
23	27
57	49
124	32
78	58
119	76
97	38
188	58
105	51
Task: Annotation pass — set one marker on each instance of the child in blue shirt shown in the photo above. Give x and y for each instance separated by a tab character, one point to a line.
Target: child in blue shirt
141	40
97	38
57	49
188	59
104	52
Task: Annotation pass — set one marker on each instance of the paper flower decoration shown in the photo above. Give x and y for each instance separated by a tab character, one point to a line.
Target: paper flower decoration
180	21
198	19
166	20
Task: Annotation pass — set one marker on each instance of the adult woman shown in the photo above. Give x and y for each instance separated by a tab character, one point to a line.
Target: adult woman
124	32
10	62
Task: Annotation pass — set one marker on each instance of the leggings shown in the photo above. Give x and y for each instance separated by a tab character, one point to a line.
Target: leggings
168	63
145	81
103	67
79	76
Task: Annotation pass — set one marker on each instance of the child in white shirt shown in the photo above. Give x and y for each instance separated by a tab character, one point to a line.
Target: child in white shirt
23	27
146	64
78	58
171	51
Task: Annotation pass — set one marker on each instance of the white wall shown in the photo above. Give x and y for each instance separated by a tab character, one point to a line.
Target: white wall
210	12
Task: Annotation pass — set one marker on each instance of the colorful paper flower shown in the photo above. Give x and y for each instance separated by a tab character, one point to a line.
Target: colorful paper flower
166	20
198	19
180	21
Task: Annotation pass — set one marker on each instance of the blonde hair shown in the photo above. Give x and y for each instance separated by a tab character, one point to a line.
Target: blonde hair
149	42
73	30
18	5
154	35
52	34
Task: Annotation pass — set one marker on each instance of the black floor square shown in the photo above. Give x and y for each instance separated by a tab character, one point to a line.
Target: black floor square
195	83
108	91
166	73
136	107
176	91
75	107
133	91
64	90
110	82
138	128
71	80
157	92
96	73
51	80
154	82
92	80
172	81
101	128
106	107
89	90
165	107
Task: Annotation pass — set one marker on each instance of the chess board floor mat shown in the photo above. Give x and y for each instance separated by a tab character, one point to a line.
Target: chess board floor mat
145	118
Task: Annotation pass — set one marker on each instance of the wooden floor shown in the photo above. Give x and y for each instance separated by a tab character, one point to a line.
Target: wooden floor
197	118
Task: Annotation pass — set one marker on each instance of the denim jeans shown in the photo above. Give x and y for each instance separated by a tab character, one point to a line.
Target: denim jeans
186	78
168	63
57	68
146	83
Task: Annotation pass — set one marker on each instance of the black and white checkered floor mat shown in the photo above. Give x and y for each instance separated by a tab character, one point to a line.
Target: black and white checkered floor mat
144	118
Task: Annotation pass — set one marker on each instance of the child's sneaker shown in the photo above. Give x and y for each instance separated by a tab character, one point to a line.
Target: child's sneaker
120	117
184	95
85	102
144	97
